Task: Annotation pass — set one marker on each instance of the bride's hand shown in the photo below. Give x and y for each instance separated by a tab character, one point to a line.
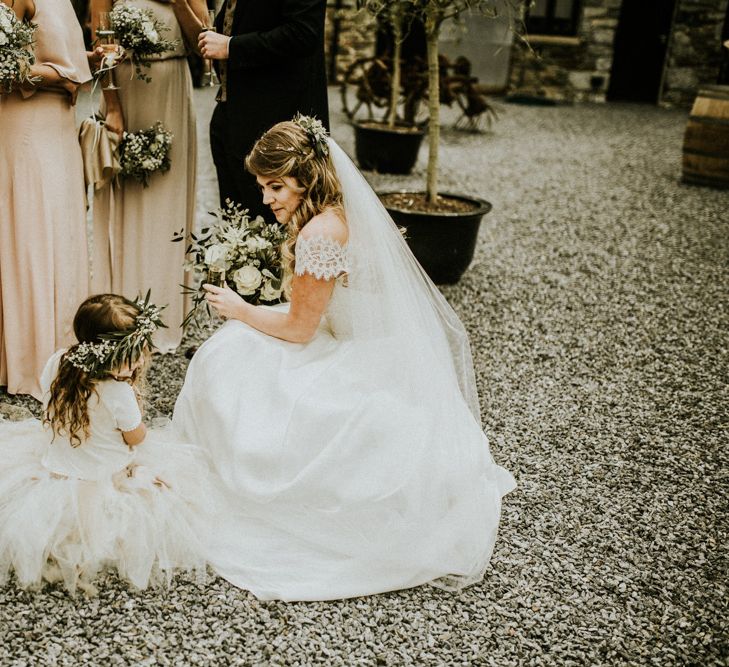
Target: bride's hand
226	302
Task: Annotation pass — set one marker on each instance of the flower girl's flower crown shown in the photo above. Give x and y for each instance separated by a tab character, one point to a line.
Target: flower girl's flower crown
118	347
315	131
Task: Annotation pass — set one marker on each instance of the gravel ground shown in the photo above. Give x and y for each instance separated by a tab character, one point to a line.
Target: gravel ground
597	306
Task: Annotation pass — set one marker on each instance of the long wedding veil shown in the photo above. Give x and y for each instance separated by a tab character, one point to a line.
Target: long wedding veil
394	302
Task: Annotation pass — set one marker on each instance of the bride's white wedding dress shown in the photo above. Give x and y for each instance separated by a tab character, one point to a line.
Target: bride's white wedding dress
354	464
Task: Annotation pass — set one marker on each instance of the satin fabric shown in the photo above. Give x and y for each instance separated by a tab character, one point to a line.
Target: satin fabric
337	485
43	245
133	225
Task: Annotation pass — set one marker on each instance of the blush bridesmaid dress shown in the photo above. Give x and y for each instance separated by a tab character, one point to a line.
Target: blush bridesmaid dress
43	246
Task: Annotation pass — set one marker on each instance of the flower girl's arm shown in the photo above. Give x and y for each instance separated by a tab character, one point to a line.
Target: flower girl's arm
136	436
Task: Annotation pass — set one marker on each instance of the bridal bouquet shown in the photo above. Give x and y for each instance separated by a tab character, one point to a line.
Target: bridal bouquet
140	32
245	251
144	152
16	38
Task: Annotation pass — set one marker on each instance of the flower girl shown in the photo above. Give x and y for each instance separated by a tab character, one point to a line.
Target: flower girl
89	487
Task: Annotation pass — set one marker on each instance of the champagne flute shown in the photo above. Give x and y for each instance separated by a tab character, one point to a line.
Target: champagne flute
209	78
106	34
216	276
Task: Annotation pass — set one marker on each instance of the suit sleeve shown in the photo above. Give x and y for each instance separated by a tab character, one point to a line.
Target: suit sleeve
299	34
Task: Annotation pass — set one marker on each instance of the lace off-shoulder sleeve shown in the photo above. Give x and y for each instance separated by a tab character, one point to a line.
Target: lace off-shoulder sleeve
322	257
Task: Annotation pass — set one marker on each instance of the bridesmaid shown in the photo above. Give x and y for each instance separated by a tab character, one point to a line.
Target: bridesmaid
43	256
133	225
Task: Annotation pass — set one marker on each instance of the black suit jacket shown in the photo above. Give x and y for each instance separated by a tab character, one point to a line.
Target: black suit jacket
275	65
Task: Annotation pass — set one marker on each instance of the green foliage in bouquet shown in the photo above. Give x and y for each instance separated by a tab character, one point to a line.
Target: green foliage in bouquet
16	56
244	251
143	152
139	31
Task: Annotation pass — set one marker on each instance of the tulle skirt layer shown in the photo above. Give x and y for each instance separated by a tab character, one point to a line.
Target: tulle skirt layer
147	521
345	474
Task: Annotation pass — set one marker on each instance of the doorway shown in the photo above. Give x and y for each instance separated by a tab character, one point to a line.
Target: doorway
639	55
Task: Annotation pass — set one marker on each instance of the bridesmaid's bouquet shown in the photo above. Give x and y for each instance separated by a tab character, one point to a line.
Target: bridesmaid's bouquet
144	152
16	57
245	251
139	31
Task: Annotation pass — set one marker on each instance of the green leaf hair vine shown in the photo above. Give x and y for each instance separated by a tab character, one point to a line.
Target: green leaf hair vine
316	132
119	347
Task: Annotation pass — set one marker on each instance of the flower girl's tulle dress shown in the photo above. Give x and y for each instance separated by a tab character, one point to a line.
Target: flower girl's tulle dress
67	512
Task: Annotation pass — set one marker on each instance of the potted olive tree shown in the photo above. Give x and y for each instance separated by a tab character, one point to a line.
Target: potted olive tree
391	145
442	228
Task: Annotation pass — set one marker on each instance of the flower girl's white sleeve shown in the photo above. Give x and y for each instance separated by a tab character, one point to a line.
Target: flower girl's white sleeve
49	374
323	257
120	398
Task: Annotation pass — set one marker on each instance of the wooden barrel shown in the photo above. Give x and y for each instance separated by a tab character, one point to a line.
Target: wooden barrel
706	141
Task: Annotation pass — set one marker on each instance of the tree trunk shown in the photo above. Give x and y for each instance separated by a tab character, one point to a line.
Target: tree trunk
396	57
432	27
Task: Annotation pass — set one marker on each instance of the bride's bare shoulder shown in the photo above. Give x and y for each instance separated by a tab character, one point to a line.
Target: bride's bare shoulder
328	224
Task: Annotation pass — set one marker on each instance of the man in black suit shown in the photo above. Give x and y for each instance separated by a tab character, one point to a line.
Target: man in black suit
270	58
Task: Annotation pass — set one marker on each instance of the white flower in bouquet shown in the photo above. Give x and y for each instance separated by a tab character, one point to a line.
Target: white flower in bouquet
216	256
270	293
16	56
247	249
247	279
6	24
256	243
139	31
149	32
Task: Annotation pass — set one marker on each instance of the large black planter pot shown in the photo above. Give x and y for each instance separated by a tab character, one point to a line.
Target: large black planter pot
387	151
442	242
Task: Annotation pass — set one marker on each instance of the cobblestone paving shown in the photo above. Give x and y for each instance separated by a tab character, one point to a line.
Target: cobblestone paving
597	307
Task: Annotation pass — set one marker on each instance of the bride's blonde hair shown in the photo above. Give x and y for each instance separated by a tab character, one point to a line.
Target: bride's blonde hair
289	150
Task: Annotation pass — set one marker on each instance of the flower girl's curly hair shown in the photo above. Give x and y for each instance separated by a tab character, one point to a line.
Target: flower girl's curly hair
287	149
67	410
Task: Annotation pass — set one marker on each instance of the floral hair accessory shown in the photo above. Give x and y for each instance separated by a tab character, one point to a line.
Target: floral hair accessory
315	131
119	347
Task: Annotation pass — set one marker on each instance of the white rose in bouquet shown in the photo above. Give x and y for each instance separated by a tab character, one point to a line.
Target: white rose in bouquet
149	32
252	261
3	39
256	243
247	279
268	293
217	257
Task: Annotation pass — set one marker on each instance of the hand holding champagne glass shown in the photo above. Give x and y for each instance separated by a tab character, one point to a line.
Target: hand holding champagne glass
209	78
216	276
112	51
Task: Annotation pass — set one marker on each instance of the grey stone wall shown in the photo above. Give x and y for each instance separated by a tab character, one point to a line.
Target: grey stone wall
578	69
694	53
570	69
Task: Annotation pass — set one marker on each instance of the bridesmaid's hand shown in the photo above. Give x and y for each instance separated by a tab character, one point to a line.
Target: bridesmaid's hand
94	57
115	121
226	302
71	87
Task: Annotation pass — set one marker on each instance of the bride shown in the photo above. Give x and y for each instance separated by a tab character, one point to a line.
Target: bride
345	424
